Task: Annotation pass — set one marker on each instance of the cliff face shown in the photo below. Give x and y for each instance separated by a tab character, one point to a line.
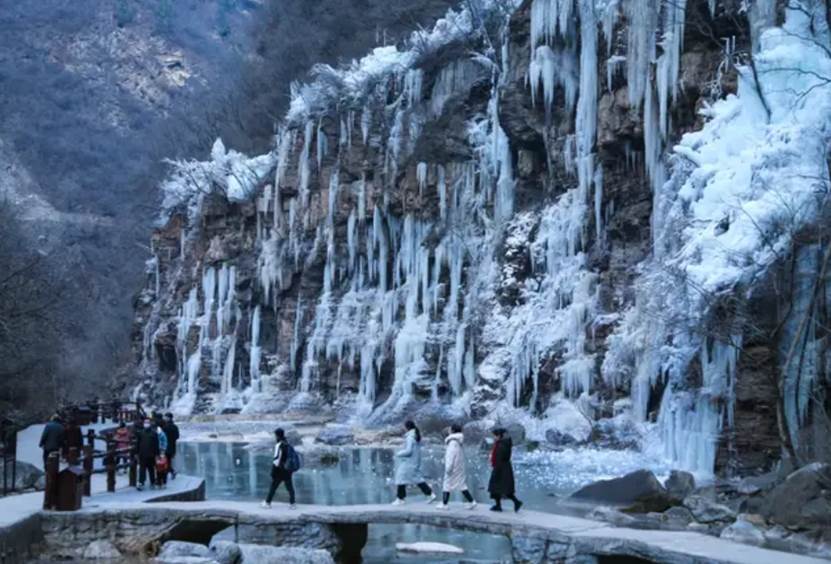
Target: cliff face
537	211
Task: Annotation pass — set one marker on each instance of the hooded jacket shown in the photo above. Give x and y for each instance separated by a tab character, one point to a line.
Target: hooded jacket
455	478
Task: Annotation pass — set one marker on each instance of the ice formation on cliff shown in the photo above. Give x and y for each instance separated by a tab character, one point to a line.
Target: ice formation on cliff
423	292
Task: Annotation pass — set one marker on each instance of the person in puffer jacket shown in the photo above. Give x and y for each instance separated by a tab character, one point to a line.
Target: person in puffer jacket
455	475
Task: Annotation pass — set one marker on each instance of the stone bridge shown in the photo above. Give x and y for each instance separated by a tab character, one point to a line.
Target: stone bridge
535	537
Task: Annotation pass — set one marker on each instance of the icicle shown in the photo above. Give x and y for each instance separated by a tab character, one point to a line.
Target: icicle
640	52
549	18
322	145
614	65
421	176
413	81
669	63
366	123
549	69
256	351
453	78
352	240
228	369
295	341
610	16
362	198
598	201
441	184
303	165
586	119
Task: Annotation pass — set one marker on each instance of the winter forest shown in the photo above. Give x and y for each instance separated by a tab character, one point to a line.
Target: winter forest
604	223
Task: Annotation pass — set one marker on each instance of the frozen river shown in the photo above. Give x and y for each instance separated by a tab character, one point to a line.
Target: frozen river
348	475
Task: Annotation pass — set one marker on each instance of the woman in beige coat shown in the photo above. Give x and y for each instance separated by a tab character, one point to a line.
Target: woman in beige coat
455	478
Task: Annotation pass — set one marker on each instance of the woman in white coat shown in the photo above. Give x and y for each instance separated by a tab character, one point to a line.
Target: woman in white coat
455	477
408	468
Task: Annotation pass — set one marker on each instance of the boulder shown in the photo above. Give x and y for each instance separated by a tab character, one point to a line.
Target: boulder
698	528
611	515
755	484
803	500
176	549
744	532
558	438
261	554
680	484
225	552
678	517
101	550
27	476
565	418
779	538
616	433
516	432
336	435
639	491
707	511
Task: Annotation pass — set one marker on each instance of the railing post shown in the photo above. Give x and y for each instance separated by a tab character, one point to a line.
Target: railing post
72	456
112	464
133	470
91	438
50	491
88	464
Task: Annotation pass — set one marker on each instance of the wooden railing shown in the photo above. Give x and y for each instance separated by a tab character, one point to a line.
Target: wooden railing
96	411
8	455
85	458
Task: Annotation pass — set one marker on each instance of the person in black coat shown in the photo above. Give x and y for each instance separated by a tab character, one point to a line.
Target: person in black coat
501	483
52	439
73	438
147	449
172	431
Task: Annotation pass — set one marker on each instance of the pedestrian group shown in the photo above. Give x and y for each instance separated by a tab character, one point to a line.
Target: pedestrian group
153	442
286	462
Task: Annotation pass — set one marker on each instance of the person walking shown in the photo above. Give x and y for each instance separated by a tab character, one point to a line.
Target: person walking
455	476
147	449
161	458
501	483
282	468
123	437
408	470
52	438
172	432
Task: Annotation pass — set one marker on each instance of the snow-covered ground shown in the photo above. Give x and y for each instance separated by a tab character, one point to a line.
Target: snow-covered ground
17	507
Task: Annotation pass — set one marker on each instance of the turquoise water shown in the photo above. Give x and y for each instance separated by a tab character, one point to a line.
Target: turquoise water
358	476
362	475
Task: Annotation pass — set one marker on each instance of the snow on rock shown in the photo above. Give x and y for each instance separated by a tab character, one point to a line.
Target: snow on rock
747	182
567	419
101	550
428	548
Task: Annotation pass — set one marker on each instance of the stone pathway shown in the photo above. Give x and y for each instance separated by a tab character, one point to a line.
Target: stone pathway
530	532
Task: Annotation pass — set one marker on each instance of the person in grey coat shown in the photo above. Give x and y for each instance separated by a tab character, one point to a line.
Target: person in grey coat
408	468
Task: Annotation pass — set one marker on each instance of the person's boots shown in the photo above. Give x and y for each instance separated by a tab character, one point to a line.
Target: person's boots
497	506
517	505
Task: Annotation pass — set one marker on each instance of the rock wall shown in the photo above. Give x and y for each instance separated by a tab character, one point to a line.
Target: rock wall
496	220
